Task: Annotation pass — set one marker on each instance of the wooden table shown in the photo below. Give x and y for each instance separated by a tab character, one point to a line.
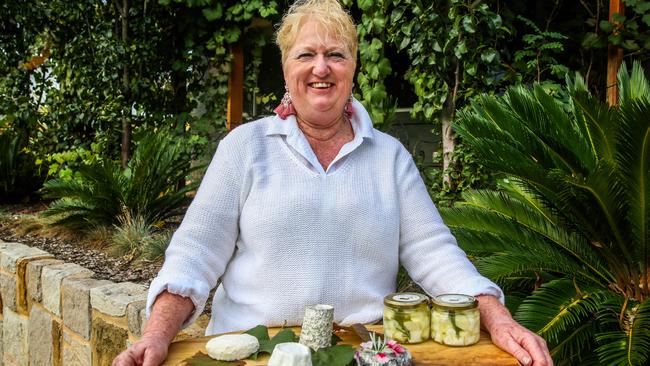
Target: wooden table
428	353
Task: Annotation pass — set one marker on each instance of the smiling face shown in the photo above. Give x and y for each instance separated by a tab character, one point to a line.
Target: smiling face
318	71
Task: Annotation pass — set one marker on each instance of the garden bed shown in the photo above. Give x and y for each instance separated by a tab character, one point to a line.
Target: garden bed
70	250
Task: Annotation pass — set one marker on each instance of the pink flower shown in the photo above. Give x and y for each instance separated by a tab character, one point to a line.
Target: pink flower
382	358
395	346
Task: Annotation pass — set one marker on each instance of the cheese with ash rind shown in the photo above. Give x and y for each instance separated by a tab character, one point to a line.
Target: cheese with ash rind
231	347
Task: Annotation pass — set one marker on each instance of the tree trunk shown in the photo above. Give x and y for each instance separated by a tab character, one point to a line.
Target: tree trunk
179	76
448	136
125	153
448	143
614	55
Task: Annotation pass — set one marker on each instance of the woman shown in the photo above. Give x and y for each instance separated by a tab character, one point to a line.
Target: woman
312	205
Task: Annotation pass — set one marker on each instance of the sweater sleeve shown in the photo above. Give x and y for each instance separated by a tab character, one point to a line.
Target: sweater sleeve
203	244
428	250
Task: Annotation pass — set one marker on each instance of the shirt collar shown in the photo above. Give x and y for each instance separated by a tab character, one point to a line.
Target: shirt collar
361	123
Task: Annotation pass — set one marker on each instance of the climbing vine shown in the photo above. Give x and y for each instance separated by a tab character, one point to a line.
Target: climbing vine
374	66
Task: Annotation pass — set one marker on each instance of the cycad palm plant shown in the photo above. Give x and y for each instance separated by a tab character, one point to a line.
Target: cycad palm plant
571	219
148	188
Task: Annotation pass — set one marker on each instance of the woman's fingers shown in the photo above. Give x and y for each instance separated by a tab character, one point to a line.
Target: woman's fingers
527	347
146	352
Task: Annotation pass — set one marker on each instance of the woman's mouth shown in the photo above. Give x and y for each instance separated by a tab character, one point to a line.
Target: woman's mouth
320	85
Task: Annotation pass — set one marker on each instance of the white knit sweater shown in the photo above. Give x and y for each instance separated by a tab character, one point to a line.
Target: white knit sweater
282	233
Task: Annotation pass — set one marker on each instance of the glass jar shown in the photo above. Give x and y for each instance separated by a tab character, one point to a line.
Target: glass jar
455	320
407	317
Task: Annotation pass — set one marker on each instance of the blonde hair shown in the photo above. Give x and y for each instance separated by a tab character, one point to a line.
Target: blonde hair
328	13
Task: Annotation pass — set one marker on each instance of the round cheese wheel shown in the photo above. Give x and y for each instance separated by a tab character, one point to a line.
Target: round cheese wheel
231	347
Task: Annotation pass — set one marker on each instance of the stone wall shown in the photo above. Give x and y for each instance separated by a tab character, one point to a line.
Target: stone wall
56	313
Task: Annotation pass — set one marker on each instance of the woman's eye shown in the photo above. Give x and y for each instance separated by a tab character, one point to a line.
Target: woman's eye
336	55
304	55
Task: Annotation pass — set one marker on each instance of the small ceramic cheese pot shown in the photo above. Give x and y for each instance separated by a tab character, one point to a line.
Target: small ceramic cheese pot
378	352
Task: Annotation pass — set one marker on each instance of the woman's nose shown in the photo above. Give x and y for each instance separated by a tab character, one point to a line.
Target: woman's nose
321	68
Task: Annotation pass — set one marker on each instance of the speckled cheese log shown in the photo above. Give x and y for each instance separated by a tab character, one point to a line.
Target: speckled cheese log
317	326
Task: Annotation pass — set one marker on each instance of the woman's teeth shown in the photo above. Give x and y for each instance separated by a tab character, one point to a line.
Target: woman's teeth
321	85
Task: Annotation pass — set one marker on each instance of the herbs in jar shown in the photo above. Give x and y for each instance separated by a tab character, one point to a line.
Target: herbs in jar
455	320
406	317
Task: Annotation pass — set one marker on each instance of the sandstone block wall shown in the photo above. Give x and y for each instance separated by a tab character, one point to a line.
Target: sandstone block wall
55	313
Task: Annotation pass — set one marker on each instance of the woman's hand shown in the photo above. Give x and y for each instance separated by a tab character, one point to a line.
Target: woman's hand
167	315
526	346
148	351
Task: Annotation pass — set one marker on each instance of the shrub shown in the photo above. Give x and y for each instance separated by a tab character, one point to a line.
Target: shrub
152	187
572	217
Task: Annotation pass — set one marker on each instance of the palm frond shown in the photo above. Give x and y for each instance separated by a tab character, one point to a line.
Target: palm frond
558	306
639	335
503	219
151	187
632	86
76	214
627	343
598	122
501	267
533	123
570	350
634	154
157	167
608	207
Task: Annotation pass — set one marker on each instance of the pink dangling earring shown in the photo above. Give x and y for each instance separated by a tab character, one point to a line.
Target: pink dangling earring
349	111
285	109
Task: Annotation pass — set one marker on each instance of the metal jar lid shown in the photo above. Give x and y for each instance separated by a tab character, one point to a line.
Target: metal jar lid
454	302
405	300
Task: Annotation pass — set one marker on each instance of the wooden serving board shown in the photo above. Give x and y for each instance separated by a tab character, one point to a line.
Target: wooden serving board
428	353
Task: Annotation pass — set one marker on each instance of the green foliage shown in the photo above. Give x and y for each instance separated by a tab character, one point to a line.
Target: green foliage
537	58
454	52
73	75
208	40
374	66
469	173
64	164
153	249
630	31
335	355
268	344
18	175
449	44
571	215
150	187
130	235
201	359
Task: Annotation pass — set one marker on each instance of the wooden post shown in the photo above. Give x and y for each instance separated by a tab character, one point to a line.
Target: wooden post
236	88
614	54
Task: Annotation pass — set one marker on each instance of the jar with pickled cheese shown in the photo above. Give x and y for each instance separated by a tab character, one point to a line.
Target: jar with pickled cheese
455	320
407	317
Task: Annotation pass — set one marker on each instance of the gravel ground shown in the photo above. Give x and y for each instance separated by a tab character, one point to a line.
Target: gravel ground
104	265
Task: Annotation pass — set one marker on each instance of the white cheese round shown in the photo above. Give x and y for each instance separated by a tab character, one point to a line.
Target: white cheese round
290	354
231	347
